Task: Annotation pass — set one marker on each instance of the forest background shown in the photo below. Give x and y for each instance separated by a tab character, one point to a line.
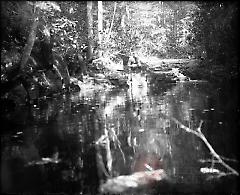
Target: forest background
51	47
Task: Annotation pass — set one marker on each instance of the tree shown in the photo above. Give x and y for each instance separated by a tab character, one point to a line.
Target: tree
37	7
100	27
152	28
35	41
90	30
31	39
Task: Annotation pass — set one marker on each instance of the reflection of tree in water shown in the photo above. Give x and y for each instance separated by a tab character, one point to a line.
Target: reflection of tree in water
139	139
150	141
89	152
62	149
130	130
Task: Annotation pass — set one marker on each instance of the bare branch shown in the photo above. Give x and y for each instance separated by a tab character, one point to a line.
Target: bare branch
199	134
216	161
200	126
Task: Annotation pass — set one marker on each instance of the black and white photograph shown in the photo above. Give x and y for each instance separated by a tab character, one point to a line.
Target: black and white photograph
120	97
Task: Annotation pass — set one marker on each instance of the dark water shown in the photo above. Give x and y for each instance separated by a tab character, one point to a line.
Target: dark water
51	146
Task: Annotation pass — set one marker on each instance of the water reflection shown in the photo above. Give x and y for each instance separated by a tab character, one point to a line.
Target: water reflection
73	143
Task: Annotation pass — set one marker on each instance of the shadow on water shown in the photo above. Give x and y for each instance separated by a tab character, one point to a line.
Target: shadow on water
72	144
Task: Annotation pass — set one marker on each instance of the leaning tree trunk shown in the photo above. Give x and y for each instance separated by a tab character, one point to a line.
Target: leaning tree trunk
90	30
27	51
30	42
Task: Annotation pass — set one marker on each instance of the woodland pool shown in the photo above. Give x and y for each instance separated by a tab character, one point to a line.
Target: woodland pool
58	145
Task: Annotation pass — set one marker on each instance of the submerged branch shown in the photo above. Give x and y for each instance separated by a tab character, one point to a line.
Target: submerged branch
199	134
108	152
216	161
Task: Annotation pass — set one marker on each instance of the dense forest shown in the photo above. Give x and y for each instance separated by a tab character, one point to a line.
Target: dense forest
54	47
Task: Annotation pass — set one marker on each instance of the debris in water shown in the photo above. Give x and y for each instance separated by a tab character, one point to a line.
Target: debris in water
46	160
209	170
148	167
147	162
125	182
141	130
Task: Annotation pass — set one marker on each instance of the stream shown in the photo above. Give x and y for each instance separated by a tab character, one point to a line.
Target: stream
71	144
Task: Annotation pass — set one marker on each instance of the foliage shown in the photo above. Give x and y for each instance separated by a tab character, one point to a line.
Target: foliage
69	28
17	20
148	28
215	30
163	29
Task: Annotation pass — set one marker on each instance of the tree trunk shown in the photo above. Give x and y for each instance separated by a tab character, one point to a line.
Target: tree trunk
90	30
110	29
100	27
174	30
125	16
30	42
163	9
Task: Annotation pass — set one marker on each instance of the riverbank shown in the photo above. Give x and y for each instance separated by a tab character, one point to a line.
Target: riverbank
195	69
105	74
